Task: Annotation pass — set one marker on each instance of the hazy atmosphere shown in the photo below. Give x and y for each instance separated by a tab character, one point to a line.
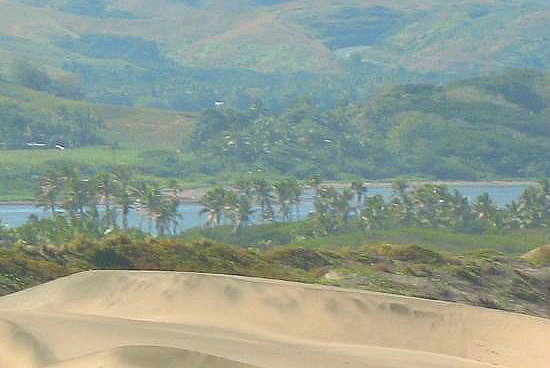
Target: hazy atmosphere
274	183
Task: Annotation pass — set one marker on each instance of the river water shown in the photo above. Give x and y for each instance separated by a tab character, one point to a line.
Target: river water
13	215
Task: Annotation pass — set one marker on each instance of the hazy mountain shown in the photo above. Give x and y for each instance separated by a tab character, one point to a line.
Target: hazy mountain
186	53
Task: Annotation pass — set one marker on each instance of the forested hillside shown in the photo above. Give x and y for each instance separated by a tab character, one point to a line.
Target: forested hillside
495	127
478	128
185	54
470	129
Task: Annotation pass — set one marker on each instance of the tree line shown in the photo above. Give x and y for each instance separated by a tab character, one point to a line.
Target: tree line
430	206
92	205
103	201
66	126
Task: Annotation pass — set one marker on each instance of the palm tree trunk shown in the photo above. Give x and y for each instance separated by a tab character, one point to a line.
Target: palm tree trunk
125	213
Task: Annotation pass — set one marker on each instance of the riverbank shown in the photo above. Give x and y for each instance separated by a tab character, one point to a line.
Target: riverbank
451	183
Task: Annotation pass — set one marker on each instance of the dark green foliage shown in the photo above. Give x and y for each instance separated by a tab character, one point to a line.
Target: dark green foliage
445	133
29	76
109	259
417	130
353	27
161	83
429	206
301	142
102	46
68	127
36	78
301	258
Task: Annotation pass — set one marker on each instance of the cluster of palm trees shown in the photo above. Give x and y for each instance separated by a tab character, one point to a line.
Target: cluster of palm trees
433	206
271	201
106	199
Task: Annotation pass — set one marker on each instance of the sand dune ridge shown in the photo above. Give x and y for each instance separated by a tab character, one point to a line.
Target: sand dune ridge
289	313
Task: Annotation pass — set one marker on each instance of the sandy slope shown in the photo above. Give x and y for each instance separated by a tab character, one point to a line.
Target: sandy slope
122	319
149	357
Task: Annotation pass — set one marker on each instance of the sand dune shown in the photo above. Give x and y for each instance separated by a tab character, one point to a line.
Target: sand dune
19	349
119	318
149	357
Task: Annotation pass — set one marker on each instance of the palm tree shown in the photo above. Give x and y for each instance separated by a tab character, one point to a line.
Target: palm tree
50	188
401	204
295	194
284	195
239	209
105	189
148	199
545	188
263	191
533	207
324	217
342	205
245	186
360	190
374	212
167	216
213	203
513	216
433	205
124	194
461	211
315	183
485	210
77	193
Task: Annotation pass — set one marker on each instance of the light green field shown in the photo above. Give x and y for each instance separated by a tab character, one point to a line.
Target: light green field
86	156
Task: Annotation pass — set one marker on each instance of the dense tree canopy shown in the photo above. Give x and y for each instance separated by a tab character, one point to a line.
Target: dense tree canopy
470	130
70	127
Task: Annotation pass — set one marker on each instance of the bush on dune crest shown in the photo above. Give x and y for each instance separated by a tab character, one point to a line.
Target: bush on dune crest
539	256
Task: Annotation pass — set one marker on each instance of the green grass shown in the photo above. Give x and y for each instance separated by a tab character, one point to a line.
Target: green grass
513	242
506	241
85	156
21	169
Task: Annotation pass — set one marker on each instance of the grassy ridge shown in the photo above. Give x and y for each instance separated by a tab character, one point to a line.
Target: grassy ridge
481	278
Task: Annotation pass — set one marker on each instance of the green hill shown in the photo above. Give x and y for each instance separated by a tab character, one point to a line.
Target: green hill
184	54
480	127
125	127
96	135
494	127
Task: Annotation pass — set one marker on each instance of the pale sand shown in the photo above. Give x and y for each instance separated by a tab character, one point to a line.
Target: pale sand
120	319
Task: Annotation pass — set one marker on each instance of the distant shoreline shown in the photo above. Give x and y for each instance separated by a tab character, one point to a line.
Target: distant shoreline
192	195
459	183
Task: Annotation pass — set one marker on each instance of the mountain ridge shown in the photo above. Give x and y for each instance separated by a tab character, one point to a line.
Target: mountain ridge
344	46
